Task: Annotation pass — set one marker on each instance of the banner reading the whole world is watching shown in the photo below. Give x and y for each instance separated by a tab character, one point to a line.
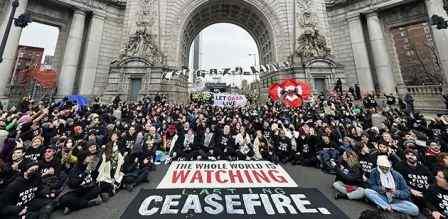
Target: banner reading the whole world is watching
225	174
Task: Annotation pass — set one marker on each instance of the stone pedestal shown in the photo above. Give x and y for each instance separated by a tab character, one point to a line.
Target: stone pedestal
71	55
122	72
10	54
435	7
91	55
380	54
361	58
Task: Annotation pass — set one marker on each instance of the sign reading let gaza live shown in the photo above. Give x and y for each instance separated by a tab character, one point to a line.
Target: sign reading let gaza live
242	203
225	174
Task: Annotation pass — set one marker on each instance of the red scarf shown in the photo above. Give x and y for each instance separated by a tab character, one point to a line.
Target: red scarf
432	152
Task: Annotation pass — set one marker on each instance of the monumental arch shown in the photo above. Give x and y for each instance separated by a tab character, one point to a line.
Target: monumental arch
109	47
262	25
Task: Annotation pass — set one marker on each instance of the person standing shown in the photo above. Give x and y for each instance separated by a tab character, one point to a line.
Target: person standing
357	92
409	100
338	86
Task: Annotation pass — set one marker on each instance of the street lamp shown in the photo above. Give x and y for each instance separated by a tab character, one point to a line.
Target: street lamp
22	21
255	75
255	58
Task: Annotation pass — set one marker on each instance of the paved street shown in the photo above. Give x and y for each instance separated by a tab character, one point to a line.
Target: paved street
304	177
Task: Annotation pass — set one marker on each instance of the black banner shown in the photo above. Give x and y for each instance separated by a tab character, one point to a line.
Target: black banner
260	203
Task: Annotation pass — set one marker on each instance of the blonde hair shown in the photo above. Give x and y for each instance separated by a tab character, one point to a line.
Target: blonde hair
351	158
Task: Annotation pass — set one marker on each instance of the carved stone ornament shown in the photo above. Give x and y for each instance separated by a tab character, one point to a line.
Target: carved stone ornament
142	42
445	5
311	44
304	5
332	3
95	3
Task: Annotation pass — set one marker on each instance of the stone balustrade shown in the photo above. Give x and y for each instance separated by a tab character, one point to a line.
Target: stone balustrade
421	90
428	98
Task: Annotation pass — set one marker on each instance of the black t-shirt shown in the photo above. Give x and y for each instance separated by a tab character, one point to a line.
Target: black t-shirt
368	163
45	166
418	178
437	198
390	100
225	143
283	144
20	192
33	154
128	142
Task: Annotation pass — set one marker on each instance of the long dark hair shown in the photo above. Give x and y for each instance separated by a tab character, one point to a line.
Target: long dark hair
108	151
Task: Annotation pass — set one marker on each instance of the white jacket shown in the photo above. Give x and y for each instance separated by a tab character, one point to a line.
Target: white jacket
104	171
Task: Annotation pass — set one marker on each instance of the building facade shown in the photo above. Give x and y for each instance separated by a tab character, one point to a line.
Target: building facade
110	47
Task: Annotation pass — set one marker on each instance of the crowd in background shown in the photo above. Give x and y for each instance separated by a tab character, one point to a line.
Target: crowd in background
60	155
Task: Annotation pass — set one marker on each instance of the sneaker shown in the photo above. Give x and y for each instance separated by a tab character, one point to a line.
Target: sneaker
67	210
104	197
96	201
130	187
340	196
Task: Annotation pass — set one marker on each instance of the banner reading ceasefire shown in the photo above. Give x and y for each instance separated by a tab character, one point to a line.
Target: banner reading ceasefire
243	203
225	174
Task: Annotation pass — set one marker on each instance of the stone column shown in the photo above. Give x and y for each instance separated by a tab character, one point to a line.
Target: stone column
91	55
71	55
380	54
360	54
435	7
9	56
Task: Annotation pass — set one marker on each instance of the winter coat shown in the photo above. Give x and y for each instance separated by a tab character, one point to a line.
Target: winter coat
104	171
402	189
349	175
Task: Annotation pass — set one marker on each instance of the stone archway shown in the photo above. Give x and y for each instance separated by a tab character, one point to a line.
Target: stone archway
254	16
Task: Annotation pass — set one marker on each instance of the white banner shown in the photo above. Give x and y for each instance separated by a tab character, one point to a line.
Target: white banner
225	174
231	100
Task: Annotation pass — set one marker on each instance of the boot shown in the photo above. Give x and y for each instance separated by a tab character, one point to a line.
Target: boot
67	211
104	197
340	196
130	187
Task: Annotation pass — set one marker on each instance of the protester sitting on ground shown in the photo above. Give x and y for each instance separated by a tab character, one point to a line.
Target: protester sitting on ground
437	196
110	172
388	189
348	181
417	177
315	135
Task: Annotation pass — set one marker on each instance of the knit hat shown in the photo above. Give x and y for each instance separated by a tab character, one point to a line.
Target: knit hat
383	161
413	151
409	142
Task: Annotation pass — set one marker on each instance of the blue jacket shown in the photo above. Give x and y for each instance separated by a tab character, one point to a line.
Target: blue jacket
403	192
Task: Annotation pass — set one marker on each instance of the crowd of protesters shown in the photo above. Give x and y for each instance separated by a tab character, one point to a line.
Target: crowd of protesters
59	155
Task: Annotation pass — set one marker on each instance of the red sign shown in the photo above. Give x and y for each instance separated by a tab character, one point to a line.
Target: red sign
290	92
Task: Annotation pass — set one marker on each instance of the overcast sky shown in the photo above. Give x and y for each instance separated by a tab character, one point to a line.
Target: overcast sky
40	35
226	46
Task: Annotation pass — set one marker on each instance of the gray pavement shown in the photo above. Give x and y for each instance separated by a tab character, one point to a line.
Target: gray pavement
304	177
